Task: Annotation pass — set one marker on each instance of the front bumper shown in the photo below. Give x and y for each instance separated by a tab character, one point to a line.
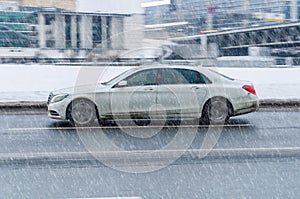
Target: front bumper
58	110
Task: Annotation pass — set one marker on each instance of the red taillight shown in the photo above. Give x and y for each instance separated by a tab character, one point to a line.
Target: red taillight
250	89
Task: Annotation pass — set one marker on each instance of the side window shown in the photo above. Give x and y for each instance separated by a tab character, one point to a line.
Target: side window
193	77
183	76
204	79
169	76
142	78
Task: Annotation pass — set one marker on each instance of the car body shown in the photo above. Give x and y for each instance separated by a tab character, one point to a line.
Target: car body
155	92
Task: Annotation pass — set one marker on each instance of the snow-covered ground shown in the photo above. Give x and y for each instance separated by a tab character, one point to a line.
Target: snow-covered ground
34	82
270	83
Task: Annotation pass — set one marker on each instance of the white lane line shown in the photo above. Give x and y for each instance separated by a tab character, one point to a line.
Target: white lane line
255	149
11	156
126	127
110	198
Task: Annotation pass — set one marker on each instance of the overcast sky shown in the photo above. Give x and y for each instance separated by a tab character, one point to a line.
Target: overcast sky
115	6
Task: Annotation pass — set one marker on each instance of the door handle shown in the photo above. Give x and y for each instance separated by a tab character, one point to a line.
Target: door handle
195	87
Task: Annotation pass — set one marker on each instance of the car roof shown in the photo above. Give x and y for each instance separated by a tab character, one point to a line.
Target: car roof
142	67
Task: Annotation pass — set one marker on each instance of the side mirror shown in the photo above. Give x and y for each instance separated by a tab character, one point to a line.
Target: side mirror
122	83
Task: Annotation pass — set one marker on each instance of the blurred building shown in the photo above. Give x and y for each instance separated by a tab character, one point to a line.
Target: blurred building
190	17
69	5
18	29
51	33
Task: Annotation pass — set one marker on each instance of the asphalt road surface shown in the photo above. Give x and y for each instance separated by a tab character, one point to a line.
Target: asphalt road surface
254	156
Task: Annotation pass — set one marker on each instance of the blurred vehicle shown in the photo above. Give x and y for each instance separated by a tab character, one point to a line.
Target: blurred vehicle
208	31
156	92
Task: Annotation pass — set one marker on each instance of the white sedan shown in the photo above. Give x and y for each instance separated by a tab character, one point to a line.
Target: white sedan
156	92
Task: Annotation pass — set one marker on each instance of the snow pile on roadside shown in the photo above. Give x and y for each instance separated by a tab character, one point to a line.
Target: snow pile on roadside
270	83
34	82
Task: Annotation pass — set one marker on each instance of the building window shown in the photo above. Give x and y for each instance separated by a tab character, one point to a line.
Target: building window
78	40
97	32
49	19
50	43
17	29
68	31
108	32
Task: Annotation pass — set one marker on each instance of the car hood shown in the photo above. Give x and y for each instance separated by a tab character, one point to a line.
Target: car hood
88	88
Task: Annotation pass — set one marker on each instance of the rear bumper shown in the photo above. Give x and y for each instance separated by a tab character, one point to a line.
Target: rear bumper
247	108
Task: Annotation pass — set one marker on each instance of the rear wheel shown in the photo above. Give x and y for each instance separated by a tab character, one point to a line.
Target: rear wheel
216	111
82	112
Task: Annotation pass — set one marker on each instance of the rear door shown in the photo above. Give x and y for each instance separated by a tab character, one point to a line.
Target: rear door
181	92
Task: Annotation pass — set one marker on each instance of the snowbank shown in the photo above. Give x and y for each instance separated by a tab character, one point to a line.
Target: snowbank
246	61
34	82
270	83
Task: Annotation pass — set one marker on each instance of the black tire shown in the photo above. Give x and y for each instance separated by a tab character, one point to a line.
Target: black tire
82	112
102	122
216	111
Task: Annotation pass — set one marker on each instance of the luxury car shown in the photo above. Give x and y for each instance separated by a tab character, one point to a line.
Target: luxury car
156	92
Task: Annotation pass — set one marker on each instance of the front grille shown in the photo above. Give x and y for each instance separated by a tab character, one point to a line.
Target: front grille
49	98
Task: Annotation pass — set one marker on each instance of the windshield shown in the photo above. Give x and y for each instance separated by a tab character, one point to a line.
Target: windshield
113	80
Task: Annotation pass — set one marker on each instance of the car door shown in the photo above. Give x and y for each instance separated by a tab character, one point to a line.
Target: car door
181	92
135	95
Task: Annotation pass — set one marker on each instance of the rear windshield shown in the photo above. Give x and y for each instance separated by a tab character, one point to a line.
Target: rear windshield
220	74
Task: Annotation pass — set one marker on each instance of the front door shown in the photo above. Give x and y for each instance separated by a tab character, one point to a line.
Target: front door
137	97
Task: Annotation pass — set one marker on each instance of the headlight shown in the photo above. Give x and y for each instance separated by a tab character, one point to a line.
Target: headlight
58	98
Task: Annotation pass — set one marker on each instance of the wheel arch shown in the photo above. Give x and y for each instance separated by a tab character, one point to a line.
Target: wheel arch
68	111
229	104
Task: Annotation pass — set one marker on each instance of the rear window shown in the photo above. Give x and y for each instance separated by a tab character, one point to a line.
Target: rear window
183	76
222	75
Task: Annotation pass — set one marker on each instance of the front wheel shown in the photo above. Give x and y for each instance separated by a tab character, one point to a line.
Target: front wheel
82	112
216	111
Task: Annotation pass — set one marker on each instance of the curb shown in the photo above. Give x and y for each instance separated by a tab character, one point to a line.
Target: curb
42	106
134	157
279	103
23	106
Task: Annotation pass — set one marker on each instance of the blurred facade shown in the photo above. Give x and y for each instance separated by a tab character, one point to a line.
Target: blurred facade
190	17
18	29
49	33
69	5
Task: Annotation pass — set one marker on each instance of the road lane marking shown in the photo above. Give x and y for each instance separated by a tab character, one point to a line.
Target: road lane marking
144	154
110	198
127	127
